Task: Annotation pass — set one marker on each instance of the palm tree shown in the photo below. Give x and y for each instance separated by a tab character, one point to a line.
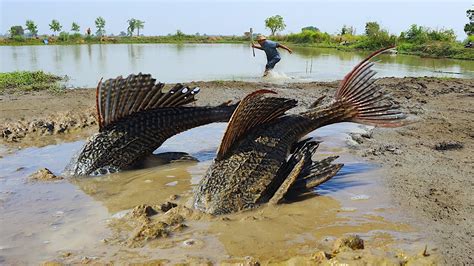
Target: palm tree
100	25
31	27
131	26
55	26
135	24
75	27
139	25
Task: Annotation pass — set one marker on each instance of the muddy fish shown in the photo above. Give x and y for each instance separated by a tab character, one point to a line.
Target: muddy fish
261	158
135	117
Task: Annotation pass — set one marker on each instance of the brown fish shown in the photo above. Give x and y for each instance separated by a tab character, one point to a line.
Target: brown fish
135	117
261	158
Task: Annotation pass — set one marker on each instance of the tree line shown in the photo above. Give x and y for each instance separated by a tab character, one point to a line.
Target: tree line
55	26
276	24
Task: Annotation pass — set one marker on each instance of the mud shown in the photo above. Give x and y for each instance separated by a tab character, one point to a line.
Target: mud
44	174
427	164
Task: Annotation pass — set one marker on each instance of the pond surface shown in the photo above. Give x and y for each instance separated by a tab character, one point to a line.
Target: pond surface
86	64
41	221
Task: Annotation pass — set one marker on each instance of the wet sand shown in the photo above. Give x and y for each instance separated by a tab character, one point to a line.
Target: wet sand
427	164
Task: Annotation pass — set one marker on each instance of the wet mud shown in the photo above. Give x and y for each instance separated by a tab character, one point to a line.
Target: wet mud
413	209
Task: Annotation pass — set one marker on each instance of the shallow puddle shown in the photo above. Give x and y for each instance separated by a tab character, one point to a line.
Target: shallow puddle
70	218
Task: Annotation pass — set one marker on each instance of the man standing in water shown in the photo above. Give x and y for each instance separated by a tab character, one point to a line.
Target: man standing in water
270	49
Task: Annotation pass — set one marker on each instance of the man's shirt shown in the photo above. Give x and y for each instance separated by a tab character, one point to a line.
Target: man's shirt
270	48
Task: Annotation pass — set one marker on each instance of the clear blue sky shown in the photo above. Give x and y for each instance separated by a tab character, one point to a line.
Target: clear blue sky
235	17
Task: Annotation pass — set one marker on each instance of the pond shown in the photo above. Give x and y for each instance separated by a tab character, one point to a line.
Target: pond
86	64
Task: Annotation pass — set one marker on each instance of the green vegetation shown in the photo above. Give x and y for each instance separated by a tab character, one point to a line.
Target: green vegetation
416	40
309	36
16	31
427	42
75	27
469	27
55	26
178	37
275	24
347	30
31	27
100	25
29	81
135	24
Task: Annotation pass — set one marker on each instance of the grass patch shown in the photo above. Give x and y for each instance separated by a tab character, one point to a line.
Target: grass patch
30	81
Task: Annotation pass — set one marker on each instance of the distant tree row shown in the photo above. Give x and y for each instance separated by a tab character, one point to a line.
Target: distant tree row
55	26
469	27
276	24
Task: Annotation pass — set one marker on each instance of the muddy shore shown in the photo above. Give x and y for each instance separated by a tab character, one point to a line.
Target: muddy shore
428	163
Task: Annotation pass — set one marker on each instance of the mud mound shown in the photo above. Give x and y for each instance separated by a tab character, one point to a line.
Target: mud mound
44	174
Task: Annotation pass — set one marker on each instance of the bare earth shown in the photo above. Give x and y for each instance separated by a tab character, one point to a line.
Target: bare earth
428	163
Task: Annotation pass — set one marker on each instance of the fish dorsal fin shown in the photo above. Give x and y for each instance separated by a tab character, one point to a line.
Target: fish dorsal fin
252	111
121	97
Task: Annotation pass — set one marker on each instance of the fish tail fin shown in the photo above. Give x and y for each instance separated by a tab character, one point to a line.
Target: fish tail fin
358	99
363	101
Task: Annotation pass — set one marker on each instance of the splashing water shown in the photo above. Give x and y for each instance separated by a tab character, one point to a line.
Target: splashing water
275	76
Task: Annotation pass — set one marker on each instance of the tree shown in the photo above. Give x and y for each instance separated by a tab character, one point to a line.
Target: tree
131	26
55	26
179	34
469	27
139	25
100	25
16	31
347	30
75	27
310	28
31	27
415	34
135	24
372	28
275	24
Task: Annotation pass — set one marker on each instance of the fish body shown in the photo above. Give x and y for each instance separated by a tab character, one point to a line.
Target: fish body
262	158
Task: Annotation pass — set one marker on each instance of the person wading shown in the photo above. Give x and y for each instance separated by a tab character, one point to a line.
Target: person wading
270	49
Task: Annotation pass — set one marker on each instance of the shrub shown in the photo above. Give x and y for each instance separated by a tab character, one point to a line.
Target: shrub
75	36
376	41
63	36
419	34
309	36
18	38
28	80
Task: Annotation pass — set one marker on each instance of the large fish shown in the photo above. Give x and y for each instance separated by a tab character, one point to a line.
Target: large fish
135	117
261	158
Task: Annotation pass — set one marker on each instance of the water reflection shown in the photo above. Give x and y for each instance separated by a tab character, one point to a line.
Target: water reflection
187	62
34	56
77	54
179	48
135	53
89	52
102	57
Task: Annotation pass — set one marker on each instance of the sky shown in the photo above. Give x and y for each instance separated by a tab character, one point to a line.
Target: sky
214	17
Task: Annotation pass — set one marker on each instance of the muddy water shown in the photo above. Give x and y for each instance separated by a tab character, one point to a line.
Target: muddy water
70	219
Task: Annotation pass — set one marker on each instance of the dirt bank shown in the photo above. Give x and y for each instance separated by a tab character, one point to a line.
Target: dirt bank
428	163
